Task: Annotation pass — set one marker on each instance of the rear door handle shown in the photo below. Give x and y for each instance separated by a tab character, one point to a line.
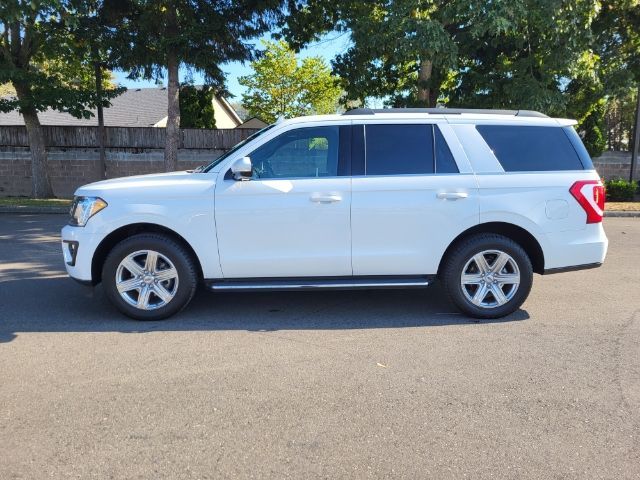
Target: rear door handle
452	195
325	198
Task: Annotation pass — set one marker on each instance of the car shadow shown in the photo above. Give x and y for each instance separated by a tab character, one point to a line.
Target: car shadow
58	304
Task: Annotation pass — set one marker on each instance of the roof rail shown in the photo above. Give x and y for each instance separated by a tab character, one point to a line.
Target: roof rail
445	111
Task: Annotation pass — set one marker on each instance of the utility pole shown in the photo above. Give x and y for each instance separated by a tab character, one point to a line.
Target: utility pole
636	141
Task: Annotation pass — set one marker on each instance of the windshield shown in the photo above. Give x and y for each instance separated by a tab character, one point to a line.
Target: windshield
235	149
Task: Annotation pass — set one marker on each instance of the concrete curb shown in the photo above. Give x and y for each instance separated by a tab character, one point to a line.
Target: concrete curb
25	209
621	214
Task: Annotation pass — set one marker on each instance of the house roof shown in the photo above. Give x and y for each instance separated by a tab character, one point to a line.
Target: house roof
137	107
253	122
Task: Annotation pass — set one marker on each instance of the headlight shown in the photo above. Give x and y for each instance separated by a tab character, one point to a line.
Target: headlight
83	208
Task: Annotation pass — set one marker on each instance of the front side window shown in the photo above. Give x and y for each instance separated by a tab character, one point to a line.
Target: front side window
398	149
300	153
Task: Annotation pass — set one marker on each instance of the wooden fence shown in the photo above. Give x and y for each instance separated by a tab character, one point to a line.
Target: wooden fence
126	137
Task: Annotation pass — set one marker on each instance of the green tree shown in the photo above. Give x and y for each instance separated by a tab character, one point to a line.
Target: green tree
619	120
95	48
594	129
526	63
281	85
200	35
32	35
616	42
400	50
408	51
606	75
510	54
585	101
71	72
196	107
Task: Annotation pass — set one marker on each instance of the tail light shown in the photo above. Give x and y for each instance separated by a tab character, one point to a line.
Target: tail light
590	196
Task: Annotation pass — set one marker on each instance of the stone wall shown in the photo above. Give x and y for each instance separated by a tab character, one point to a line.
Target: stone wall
76	162
71	168
612	165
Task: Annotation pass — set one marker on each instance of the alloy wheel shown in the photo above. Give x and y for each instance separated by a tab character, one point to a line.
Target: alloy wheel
146	279
490	278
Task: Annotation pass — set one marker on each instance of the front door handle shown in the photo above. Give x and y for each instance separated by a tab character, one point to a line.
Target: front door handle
452	195
325	198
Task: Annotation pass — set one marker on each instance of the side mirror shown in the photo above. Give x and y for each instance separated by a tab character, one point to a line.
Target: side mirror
242	169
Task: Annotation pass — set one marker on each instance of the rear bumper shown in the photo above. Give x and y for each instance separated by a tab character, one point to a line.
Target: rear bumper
575	250
573	268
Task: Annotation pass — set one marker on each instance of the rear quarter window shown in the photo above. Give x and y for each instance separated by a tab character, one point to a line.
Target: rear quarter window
575	140
532	148
445	163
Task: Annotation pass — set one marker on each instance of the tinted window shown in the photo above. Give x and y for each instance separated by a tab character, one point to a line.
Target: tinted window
445	162
304	152
575	140
527	149
398	149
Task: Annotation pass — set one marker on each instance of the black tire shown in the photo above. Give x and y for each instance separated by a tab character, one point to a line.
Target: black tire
187	276
463	252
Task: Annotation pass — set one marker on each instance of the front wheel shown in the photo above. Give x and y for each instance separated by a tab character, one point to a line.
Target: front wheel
488	276
149	277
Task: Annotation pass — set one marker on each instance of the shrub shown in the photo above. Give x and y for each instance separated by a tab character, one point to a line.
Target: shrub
620	190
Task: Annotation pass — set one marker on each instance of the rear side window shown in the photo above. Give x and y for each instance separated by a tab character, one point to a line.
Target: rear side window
531	148
398	149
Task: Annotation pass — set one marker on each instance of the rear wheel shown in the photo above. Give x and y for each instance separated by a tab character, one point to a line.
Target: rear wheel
149	277
488	276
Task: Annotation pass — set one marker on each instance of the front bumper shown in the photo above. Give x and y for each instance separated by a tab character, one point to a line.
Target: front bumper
78	248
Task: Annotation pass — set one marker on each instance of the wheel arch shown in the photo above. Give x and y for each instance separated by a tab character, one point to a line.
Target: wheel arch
516	233
119	234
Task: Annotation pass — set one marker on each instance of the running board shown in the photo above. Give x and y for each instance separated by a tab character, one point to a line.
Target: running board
332	283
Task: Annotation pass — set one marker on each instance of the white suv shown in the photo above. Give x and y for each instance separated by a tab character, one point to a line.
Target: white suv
369	199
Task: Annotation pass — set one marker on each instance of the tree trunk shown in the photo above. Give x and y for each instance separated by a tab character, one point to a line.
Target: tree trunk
40	183
173	92
427	96
102	164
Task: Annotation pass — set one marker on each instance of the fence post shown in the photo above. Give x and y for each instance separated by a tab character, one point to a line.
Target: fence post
636	140
102	164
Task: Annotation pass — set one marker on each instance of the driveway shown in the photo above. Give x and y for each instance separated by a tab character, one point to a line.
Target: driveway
317	384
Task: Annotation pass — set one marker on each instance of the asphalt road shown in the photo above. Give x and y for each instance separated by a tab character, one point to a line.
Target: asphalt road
307	385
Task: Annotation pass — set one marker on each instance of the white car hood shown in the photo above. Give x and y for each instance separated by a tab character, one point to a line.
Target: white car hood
158	184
